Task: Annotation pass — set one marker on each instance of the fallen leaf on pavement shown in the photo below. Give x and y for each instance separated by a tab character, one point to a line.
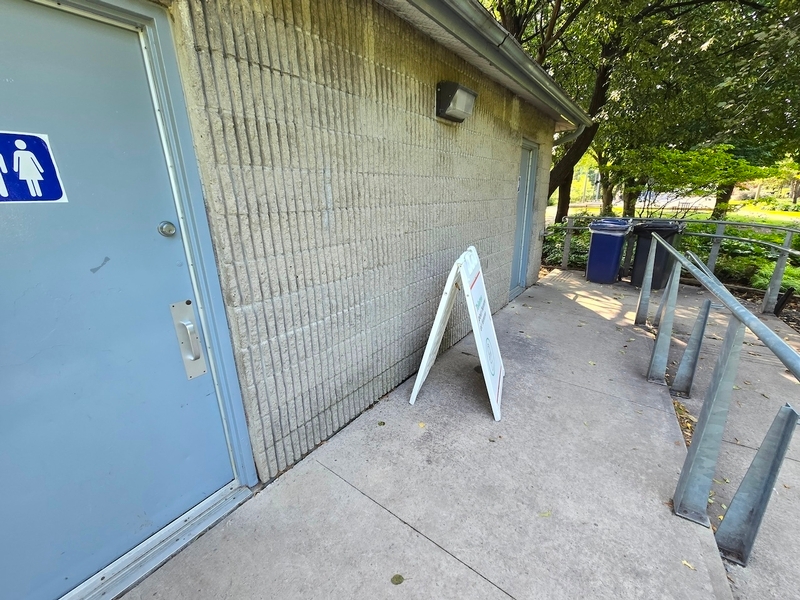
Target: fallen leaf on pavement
546	513
688	564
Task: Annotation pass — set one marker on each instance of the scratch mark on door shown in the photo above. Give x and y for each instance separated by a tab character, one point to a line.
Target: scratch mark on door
96	269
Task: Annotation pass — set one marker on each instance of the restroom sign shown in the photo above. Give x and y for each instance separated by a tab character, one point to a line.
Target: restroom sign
28	171
467	274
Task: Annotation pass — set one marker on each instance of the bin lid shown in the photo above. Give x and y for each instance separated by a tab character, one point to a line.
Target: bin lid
659	226
610	224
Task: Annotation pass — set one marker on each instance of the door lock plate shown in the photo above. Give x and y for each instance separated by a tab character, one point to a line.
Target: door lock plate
189	343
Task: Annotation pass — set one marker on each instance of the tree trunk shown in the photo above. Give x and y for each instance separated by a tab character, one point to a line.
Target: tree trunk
724	193
758	192
630	194
608	196
562	171
564	192
795	190
629	198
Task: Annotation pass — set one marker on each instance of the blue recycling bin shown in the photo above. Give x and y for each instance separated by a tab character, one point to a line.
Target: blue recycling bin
605	249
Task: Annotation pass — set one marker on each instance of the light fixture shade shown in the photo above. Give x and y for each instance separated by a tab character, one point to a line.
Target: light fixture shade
454	102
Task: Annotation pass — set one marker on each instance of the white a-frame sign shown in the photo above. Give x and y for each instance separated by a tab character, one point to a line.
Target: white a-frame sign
467	269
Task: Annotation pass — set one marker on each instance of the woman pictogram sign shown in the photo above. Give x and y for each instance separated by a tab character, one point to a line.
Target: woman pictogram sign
28	167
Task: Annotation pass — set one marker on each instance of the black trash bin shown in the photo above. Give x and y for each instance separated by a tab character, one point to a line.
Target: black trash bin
644	237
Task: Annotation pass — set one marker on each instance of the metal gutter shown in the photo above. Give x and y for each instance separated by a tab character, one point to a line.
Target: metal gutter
469	30
570	136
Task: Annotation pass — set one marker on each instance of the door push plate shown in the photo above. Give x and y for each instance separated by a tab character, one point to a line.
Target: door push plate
187	330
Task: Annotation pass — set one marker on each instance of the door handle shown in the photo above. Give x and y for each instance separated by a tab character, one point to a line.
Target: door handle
194	340
187	331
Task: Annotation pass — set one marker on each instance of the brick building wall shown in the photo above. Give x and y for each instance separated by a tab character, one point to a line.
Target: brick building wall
338	202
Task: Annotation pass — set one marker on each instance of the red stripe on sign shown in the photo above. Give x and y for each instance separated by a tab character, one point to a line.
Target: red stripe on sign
474	280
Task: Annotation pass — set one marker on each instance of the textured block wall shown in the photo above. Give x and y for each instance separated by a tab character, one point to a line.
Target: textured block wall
338	202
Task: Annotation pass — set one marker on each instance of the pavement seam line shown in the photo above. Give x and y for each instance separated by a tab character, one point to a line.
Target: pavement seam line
410	526
756	449
588	389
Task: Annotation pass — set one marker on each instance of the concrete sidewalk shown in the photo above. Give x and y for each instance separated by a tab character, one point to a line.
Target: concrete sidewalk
566	497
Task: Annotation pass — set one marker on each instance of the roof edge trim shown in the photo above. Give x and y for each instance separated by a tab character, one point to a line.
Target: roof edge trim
468	22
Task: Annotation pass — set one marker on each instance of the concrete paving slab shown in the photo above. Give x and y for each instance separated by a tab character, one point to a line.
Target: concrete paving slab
611	352
312	535
563	520
566	497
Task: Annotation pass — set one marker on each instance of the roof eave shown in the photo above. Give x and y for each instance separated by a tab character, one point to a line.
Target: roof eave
469	30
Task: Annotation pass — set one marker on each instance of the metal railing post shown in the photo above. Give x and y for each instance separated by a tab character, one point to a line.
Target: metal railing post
658	360
691	494
567	243
737	532
774	288
714	254
682	386
647	286
667	291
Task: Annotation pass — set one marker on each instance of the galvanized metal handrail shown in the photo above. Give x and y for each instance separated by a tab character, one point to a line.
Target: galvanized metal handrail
737	532
771	340
784	251
742	239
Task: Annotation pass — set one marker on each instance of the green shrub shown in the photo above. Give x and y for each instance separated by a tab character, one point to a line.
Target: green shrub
791	277
553	246
741	270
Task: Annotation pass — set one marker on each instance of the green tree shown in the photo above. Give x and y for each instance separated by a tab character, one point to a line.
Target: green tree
700	171
665	73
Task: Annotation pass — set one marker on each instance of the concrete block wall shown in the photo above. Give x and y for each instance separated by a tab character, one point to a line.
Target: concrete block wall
338	202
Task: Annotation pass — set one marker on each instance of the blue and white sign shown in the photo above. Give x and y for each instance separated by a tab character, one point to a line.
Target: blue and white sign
28	171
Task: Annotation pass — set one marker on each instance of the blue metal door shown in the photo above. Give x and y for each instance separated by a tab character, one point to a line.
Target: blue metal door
104	439
522	238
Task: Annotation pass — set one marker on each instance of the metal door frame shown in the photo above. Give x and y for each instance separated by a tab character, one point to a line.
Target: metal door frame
525	220
152	24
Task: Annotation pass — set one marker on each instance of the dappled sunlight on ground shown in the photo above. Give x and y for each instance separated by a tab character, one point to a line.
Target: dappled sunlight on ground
613	302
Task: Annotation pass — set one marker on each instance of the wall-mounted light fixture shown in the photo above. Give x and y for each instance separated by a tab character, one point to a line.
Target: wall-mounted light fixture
454	102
